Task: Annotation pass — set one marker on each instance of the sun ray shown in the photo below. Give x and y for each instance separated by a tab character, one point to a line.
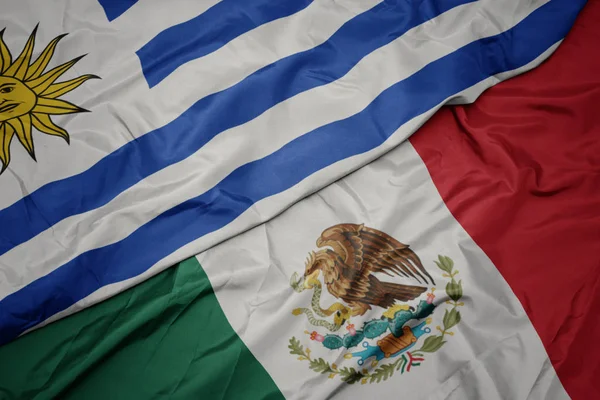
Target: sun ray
6	135
43	123
55	107
19	67
29	95
58	89
43	82
22	127
5	56
37	68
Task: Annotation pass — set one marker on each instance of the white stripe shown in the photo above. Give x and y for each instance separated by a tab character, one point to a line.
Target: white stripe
147	18
270	207
122	105
494	352
256	139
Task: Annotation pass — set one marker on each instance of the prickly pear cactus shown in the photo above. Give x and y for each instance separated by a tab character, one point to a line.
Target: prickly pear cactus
375	328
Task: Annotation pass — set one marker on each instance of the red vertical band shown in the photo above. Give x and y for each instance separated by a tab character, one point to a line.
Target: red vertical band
520	171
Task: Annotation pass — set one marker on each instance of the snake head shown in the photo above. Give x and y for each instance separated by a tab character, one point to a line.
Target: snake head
297	283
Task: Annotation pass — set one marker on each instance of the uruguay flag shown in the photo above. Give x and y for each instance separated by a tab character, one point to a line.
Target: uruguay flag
212	117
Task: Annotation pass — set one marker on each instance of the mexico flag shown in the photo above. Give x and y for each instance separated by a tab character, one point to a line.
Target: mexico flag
326	256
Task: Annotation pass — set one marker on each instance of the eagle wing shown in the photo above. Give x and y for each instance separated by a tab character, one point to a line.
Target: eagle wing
383	294
367	250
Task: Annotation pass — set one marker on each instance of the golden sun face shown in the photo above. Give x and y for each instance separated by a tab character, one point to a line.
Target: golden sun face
16	99
29	96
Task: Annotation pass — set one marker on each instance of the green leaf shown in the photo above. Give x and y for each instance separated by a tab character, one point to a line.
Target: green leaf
445	263
432	344
454	290
383	372
295	347
451	319
350	375
449	262
321	366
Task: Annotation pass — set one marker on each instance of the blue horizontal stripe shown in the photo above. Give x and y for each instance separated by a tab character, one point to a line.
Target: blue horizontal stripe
114	8
208	32
212	115
288	166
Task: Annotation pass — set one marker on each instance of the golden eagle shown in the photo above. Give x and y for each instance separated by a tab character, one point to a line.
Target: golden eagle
350	256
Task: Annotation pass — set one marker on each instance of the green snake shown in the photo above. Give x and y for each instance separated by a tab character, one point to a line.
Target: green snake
342	313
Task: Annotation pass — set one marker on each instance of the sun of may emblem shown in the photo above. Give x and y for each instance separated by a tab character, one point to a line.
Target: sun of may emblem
398	340
29	95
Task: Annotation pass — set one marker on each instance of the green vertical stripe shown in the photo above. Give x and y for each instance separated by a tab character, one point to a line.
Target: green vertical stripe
165	338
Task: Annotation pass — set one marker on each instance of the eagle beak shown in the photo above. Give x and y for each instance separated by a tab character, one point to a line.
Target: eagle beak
305	284
308	279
